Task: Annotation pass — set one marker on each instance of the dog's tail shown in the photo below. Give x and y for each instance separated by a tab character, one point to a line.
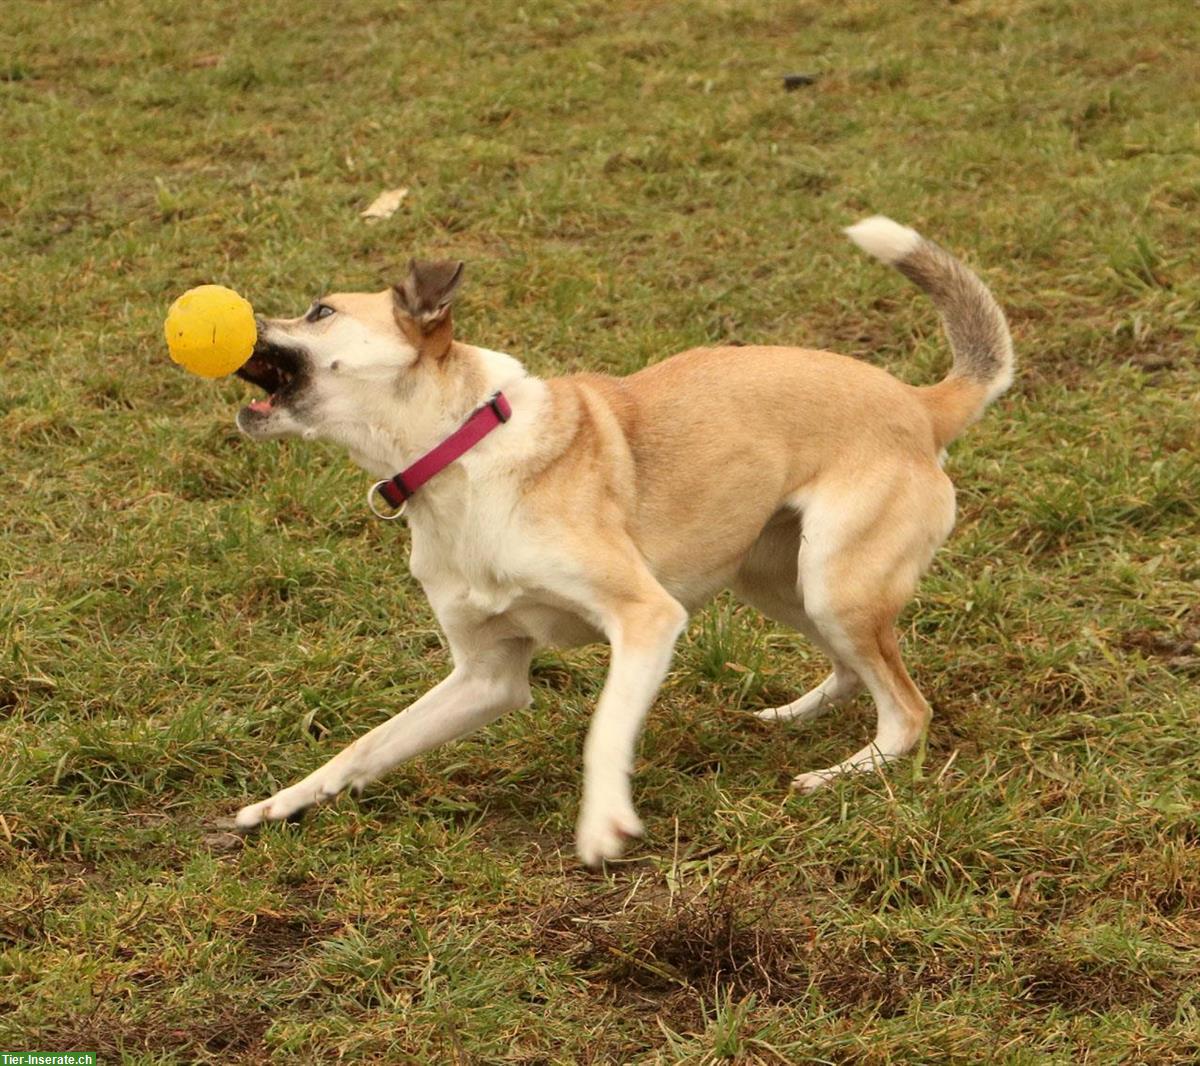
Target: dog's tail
974	323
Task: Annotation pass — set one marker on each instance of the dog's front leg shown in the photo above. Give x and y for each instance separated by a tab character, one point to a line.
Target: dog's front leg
479	690
642	635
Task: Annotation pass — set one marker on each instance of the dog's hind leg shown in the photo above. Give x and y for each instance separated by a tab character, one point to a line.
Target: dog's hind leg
902	711
768	581
863	553
488	680
838	688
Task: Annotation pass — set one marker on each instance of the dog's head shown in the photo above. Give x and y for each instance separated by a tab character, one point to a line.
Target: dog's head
352	356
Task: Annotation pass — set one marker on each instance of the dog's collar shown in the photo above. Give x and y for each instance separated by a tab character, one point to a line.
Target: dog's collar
398	490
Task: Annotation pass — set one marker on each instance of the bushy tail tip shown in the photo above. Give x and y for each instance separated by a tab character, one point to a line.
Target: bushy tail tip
884	239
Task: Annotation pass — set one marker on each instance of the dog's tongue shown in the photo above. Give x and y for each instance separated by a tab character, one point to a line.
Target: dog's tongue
262	406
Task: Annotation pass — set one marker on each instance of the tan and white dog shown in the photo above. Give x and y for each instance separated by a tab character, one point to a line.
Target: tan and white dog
609	508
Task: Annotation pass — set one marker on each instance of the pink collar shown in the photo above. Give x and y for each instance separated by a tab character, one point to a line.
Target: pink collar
398	490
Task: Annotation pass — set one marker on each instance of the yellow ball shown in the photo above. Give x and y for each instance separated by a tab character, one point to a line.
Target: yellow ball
210	331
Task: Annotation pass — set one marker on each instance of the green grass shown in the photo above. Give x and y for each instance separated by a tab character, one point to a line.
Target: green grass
187	621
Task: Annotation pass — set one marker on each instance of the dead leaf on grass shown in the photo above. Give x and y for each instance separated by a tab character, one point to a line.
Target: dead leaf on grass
384	205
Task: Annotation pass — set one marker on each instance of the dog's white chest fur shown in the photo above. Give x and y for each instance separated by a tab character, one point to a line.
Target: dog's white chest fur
478	571
464	551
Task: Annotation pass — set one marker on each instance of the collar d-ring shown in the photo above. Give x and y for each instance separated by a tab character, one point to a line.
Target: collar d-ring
376	490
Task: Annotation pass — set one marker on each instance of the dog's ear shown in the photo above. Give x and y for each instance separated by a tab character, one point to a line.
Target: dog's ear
426	294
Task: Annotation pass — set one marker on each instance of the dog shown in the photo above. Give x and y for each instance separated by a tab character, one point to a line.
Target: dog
594	508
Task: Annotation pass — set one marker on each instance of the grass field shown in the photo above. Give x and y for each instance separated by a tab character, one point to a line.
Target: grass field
188	621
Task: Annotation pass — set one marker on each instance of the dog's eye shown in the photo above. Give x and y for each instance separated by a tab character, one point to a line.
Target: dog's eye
318	312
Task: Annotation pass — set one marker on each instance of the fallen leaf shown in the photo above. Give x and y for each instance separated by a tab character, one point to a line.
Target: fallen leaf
384	205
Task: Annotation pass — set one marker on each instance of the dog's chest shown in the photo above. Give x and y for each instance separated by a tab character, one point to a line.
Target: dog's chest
483	575
465	562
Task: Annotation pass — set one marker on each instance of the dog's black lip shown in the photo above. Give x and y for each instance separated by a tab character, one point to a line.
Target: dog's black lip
271	367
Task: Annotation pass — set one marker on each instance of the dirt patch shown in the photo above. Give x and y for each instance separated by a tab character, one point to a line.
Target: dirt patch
222	1032
1178	646
718	938
882	976
1094	987
274	937
670	955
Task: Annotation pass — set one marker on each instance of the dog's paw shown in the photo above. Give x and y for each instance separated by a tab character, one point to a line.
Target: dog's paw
255	814
809	706
252	815
806	783
603	831
775	714
287	805
805	709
